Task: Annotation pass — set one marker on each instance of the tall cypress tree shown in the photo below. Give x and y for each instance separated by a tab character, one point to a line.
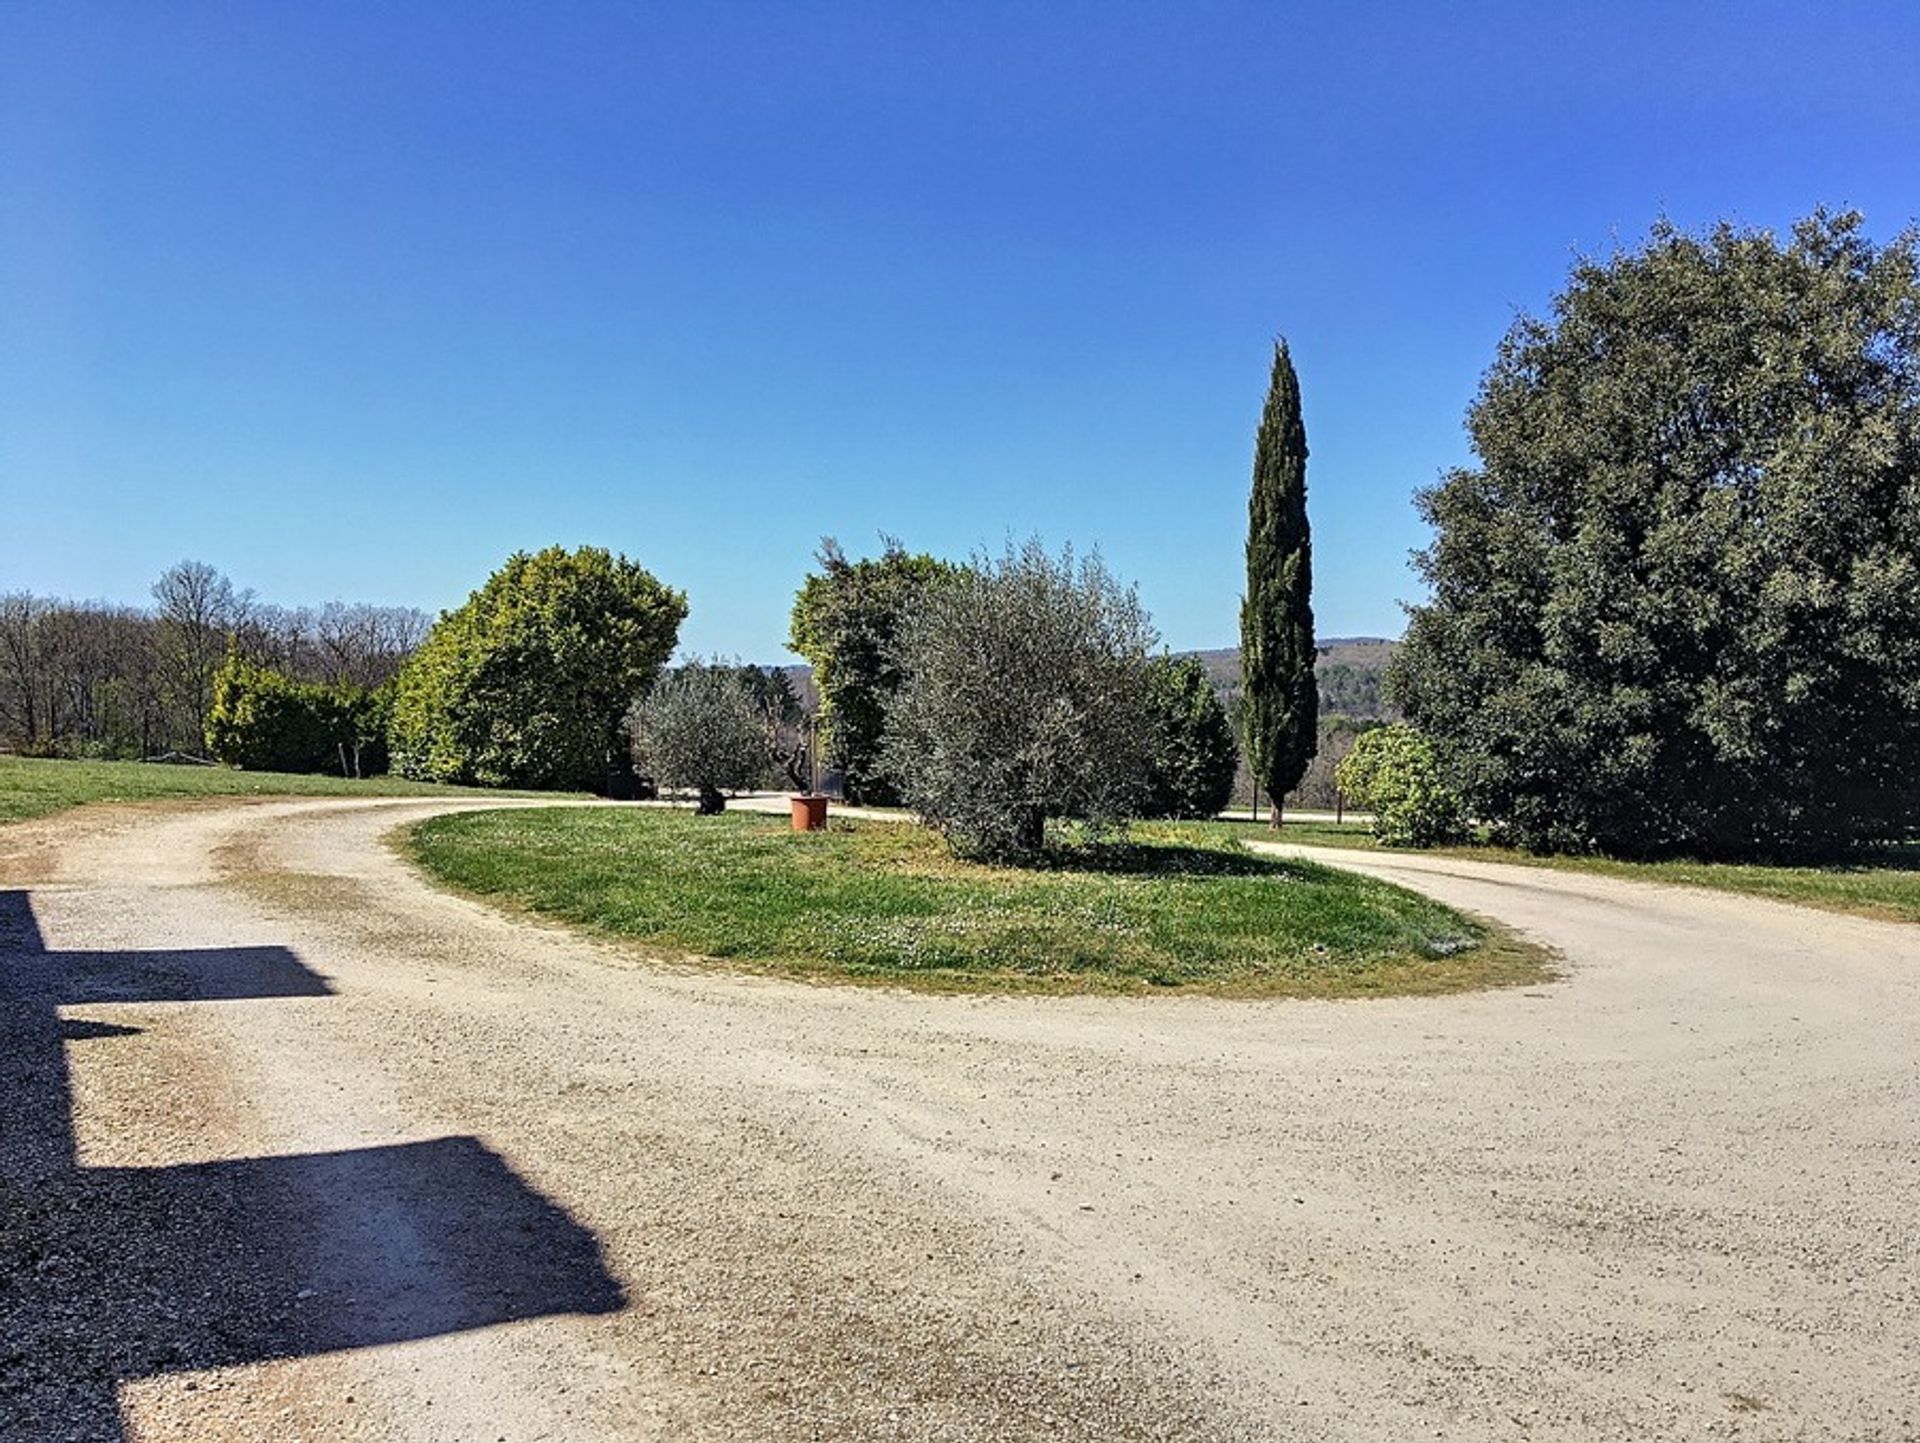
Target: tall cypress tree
1280	701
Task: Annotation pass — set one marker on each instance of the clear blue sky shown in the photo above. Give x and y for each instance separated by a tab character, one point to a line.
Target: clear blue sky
355	300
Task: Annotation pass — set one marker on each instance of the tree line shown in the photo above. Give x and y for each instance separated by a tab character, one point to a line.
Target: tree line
1671	611
96	679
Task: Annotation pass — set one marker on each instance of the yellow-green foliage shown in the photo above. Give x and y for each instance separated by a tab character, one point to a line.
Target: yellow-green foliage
1392	773
263	720
527	683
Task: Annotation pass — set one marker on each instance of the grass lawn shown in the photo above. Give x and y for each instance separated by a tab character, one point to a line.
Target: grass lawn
1884	884
884	901
30	787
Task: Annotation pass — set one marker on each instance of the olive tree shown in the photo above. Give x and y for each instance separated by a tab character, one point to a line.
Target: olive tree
700	729
1023	697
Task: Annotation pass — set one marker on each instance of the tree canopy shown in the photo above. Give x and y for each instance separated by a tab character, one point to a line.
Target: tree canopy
1673	606
264	720
529	683
1192	757
1023	698
846	621
700	728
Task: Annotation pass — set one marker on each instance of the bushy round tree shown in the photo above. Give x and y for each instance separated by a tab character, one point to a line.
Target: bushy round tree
700	729
1023	697
1192	755
529	683
1673	607
1393	773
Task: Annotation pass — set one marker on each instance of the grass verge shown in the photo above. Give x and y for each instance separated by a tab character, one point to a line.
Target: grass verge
32	787
886	902
1883	884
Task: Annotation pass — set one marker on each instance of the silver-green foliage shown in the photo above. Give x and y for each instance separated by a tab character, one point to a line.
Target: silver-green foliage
699	729
1024	698
1393	773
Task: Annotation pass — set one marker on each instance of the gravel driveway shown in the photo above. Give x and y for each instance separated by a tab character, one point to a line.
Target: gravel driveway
293	1147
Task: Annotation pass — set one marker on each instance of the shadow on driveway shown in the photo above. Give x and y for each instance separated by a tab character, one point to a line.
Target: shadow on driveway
110	1274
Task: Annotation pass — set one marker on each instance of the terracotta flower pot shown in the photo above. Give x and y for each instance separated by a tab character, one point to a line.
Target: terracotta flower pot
809	814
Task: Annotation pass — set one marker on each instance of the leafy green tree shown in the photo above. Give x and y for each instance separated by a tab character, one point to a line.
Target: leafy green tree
366	716
260	719
846	620
1023	697
1191	755
700	728
529	683
1672	609
1280	697
1392	772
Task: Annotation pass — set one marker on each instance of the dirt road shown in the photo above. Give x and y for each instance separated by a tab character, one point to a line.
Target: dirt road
294	1147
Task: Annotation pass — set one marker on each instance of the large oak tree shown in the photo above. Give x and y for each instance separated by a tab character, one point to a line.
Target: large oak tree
1674	606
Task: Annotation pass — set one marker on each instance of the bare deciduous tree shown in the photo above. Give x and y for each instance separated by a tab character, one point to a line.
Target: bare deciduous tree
365	645
25	685
199	613
91	678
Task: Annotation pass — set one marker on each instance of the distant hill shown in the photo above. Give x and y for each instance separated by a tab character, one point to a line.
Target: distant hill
802	679
1350	671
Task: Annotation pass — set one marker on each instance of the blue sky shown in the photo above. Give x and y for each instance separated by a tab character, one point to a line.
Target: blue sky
354	300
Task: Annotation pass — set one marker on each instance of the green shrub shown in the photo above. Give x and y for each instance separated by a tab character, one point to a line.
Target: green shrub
530	682
1192	755
264	721
1393	773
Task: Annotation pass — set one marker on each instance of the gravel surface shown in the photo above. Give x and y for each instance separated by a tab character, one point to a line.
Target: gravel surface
294	1147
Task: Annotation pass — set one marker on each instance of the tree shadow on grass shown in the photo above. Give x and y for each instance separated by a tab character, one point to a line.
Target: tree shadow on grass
1863	860
1126	858
1894	857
